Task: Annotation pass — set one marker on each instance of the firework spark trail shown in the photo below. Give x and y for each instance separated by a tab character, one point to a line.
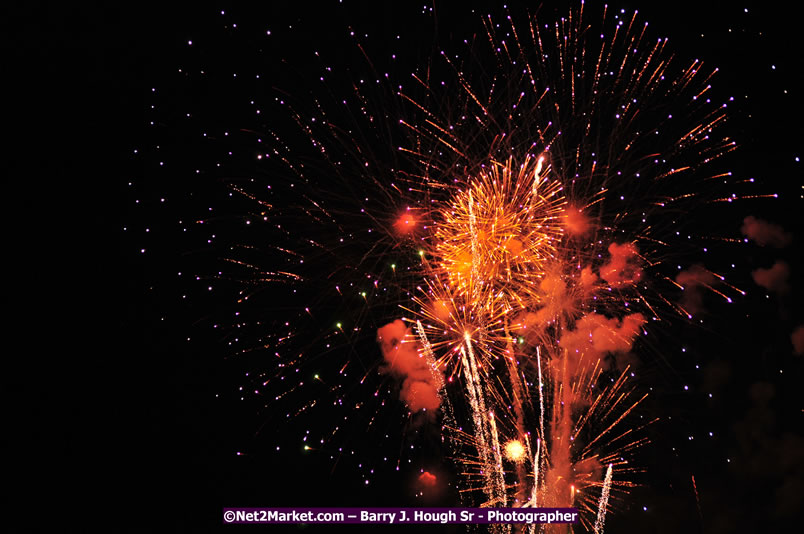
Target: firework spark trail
541	393
486	433
537	463
482	437
448	412
536	177
604	502
479	427
501	495
521	434
519	395
697	499
430	357
534	492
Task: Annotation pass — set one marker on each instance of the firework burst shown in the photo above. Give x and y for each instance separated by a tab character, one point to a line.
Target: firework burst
536	181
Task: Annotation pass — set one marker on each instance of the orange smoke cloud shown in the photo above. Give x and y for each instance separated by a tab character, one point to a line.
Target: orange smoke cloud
528	324
555	301
420	382
597	335
427	479
406	223
553	286
797	337
693	279
775	278
588	278
622	269
575	222
430	486
764	233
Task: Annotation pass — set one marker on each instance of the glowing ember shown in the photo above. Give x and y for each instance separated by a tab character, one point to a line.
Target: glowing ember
515	451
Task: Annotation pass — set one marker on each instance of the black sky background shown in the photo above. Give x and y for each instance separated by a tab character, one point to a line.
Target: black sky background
140	419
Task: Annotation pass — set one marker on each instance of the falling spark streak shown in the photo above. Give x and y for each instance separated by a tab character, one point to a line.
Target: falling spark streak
541	393
697	498
430	357
604	502
477	419
485	431
536	176
534	494
446	405
500	476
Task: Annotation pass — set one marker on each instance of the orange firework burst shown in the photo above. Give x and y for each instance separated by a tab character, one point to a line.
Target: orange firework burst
495	239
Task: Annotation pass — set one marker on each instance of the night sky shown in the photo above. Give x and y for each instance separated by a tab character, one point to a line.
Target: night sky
177	94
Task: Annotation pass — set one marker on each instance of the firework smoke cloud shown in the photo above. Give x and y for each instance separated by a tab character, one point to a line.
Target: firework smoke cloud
420	381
